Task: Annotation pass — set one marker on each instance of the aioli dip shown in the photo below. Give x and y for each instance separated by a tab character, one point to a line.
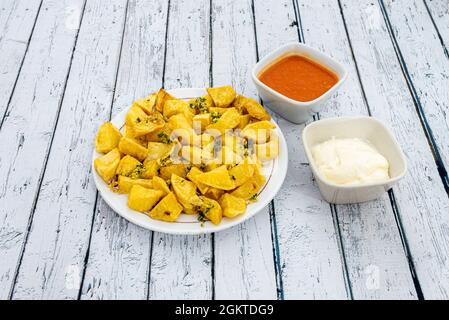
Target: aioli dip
298	78
350	162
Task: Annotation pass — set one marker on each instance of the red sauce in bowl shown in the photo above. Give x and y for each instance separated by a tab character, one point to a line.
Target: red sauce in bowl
298	78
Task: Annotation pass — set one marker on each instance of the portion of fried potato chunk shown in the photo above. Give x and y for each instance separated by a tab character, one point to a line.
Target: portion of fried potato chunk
256	110
229	120
232	206
185	192
107	138
143	199
192	176
218	178
222	96
210	209
241	172
125	184
258	131
107	164
168	209
127	165
160	184
247	190
131	147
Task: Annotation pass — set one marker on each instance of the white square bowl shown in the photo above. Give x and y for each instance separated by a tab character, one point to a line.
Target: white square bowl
367	128
293	110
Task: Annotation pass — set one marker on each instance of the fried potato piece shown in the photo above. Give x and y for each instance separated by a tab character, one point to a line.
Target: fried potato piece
258	131
160	184
256	110
236	143
161	97
179	121
157	150
222	96
247	190
201	104
172	107
268	151
161	135
131	147
107	138
192	176
211	210
129	133
232	206
239	103
218	178
228	156
194	155
167	171
229	120
185	192
168	209
127	165
147	103
241	172
150	168
148	124
107	164
185	136
244	120
135	115
141	123
258	177
217	112
201	121
143	199
214	193
125	184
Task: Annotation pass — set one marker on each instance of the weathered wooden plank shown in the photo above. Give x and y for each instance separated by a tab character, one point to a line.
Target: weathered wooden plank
17	20
55	252
424	205
426	65
309	254
439	11
244	265
119	253
324	29
181	266
27	130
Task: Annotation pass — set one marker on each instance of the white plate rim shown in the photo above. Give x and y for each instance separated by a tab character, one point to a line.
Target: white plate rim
279	165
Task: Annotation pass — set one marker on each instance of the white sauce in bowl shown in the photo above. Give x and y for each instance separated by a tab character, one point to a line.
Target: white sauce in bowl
350	162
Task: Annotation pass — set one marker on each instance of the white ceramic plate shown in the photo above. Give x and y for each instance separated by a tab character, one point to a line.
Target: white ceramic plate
274	172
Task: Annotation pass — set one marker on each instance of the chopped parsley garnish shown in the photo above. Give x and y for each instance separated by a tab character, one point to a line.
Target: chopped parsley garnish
200	105
165	161
253	198
164	137
214	116
201	216
202	213
137	172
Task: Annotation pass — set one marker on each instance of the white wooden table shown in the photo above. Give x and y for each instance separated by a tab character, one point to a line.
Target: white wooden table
67	66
